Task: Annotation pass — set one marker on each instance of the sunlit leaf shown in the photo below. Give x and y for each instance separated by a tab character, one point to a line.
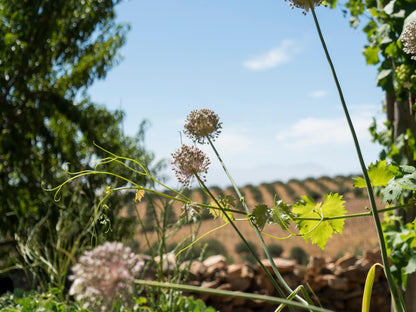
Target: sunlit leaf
281	214
371	55
319	231
139	196
380	174
227	202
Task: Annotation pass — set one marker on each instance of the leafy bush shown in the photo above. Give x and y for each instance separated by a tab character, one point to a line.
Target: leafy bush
255	192
33	301
289	190
270	189
275	250
53	301
242	248
218	191
299	254
214	247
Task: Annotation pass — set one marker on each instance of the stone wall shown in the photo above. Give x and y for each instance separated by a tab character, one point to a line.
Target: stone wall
338	283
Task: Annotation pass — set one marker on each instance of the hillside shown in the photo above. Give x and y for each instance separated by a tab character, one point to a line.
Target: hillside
358	235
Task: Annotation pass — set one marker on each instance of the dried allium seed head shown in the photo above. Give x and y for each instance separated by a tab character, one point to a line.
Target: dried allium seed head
105	274
408	39
188	161
304	4
202	123
189	211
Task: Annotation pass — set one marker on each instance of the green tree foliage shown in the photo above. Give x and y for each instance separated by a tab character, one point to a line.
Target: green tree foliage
51	52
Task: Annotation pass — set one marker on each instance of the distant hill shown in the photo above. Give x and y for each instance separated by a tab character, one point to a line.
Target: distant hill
359	233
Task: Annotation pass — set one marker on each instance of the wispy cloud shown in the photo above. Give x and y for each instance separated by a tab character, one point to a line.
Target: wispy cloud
317	94
275	57
322	131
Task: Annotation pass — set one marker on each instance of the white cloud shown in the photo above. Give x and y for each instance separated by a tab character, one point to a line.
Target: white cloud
322	131
275	57
317	94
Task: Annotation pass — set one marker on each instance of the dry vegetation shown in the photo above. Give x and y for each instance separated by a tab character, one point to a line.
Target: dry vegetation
358	235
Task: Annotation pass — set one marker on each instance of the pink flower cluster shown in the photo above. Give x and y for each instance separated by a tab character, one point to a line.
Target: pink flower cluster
105	274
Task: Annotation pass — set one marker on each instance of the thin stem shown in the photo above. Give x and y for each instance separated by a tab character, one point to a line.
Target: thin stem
258	233
230	221
393	287
354	215
228	293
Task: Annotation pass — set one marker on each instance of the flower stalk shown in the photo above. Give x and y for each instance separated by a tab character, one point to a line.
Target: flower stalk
249	296
395	292
258	233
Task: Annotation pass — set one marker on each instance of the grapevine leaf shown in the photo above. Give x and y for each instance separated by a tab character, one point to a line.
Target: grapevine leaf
380	174
226	203
281	214
371	55
410	267
319	231
261	214
396	186
391	192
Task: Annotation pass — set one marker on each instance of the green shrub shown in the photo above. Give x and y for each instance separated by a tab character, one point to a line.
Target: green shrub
33	301
299	254
270	189
53	301
214	247
241	248
275	250
218	191
255	192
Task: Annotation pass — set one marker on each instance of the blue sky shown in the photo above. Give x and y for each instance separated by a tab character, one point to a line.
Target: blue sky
260	67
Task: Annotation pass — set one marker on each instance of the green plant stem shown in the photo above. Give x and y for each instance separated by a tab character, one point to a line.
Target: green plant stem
395	292
258	233
354	215
195	289
275	284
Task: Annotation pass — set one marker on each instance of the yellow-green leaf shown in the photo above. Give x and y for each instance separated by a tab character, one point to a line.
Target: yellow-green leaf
320	230
380	174
368	288
225	204
139	196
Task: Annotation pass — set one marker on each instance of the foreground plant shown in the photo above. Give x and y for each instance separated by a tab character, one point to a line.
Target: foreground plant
316	221
397	299
104	275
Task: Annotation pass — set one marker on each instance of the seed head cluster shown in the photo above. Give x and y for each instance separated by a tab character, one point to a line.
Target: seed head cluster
408	39
189	211
105	274
304	4
202	123
188	161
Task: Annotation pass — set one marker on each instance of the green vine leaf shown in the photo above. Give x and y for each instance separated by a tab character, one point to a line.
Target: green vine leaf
319	231
281	214
371	55
395	186
227	203
380	174
261	215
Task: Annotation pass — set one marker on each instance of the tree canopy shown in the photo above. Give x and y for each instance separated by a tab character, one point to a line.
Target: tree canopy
51	53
